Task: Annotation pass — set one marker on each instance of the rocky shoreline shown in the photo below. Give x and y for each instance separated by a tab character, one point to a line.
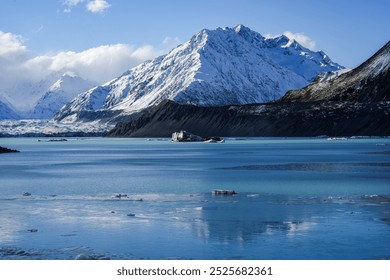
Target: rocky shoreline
6	150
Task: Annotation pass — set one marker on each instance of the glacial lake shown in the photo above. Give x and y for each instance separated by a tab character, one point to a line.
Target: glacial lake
297	198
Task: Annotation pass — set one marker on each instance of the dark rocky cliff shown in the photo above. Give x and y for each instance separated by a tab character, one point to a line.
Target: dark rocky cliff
283	119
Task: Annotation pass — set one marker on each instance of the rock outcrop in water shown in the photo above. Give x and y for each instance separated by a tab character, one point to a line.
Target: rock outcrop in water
6	150
184	136
223	192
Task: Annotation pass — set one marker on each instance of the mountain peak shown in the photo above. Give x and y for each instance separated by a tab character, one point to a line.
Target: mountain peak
215	67
62	91
241	28
249	35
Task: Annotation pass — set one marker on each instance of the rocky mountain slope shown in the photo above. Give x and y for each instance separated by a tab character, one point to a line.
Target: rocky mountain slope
280	119
214	68
370	82
353	103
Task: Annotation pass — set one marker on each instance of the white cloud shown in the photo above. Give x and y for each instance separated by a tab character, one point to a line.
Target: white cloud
302	39
97	6
73	2
12	54
98	64
144	53
11	46
93	6
69	4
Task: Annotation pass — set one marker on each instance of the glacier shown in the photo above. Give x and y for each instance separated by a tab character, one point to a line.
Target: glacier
43	128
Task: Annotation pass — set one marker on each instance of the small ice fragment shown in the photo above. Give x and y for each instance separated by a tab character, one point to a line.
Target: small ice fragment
223	192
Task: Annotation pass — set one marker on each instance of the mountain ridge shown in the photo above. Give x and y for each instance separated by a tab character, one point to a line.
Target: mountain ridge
6	112
369	82
213	68
42	99
332	109
62	91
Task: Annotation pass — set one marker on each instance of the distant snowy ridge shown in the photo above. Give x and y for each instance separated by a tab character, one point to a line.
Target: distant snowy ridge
67	87
42	99
215	67
6	112
24	95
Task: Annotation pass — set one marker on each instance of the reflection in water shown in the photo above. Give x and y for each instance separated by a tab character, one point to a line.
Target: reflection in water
384	200
178	217
200	226
291	228
247	218
8	227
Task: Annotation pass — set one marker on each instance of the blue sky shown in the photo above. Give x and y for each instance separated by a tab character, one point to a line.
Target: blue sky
47	33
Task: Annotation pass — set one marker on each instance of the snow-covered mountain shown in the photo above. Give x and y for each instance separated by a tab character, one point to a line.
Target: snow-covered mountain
6	112
43	98
341	103
67	87
24	95
367	83
215	67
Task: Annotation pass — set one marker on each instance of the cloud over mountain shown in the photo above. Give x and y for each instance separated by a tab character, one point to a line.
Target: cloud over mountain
302	39
100	63
11	45
20	71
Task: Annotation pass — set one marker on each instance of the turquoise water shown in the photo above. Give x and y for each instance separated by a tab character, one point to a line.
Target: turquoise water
297	199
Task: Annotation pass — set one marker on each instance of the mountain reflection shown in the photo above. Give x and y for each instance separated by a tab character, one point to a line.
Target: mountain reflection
242	220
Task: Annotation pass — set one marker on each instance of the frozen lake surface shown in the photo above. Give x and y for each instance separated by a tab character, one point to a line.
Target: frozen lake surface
297	199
